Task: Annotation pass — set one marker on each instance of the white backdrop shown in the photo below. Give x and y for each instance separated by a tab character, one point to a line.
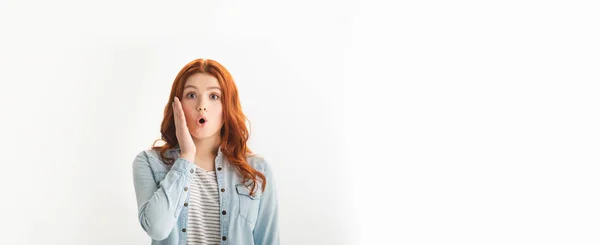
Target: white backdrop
428	123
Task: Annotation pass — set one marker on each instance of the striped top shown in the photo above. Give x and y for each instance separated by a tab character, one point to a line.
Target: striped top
204	216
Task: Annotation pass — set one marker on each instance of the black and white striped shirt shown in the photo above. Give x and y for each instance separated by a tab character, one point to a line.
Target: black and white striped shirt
204	215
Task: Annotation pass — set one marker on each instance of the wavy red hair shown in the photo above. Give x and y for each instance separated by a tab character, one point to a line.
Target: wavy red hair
234	133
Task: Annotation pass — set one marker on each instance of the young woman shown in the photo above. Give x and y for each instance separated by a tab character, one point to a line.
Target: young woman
204	185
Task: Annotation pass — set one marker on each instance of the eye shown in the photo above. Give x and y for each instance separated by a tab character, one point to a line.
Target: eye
190	94
215	96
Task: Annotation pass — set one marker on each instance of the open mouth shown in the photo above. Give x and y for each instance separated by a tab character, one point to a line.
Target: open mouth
202	121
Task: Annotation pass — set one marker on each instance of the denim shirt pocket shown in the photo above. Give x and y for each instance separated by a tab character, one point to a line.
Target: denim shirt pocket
248	204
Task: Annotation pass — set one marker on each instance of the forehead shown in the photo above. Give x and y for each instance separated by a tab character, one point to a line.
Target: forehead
201	81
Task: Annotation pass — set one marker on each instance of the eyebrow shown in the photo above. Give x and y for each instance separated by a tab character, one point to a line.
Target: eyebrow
209	88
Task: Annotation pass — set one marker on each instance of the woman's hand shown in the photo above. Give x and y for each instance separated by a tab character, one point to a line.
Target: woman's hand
188	149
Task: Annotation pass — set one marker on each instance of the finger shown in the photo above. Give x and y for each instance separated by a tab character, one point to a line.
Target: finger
180	114
175	113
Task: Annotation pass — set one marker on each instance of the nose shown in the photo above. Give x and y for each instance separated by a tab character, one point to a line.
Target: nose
202	105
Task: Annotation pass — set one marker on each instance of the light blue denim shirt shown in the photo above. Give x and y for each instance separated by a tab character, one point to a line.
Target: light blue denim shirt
162	196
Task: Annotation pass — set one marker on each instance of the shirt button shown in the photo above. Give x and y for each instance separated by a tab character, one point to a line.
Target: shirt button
183	229
185	189
191	171
219	168
224	238
224	213
185	204
222	189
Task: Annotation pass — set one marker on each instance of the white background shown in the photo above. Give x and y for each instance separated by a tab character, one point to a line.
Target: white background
437	122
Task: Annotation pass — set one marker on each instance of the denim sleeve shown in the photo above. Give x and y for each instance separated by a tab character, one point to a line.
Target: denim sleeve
158	203
266	230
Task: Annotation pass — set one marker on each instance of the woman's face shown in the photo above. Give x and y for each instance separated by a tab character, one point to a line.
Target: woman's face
202	91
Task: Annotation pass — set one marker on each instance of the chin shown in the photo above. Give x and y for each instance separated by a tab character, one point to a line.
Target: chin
199	136
203	135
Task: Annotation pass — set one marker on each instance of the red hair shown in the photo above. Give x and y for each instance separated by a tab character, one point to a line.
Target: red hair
234	133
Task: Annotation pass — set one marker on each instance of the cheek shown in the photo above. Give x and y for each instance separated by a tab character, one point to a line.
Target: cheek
218	114
188	113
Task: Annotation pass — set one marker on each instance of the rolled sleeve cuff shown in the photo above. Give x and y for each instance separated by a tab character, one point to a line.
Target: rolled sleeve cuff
185	166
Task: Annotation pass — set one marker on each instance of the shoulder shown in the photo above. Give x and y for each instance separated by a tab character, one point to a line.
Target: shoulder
265	167
147	154
150	157
259	163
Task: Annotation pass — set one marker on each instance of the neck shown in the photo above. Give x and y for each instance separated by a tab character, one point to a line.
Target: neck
206	149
